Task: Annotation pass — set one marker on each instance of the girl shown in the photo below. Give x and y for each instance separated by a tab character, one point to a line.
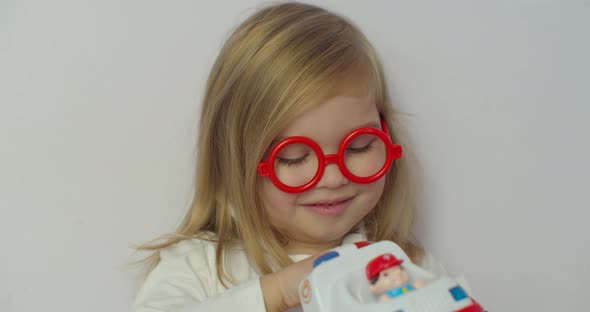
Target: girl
298	153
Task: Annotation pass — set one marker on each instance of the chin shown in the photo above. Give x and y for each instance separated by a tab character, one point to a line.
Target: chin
326	236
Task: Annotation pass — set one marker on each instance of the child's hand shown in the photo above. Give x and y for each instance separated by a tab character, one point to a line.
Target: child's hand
281	289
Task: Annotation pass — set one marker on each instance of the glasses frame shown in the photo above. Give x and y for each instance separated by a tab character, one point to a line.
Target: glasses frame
394	151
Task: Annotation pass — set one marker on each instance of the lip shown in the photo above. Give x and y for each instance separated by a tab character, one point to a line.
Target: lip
328	201
329	207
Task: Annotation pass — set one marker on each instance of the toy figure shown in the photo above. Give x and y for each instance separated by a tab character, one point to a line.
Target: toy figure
387	277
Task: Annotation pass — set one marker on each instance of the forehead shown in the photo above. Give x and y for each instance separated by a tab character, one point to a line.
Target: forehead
334	117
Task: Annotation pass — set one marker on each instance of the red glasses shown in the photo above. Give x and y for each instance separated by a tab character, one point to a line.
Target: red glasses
296	164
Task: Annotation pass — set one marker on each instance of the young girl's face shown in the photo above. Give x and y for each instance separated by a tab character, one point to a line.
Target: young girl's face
317	219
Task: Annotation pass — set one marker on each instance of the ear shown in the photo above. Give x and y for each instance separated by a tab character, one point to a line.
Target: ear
405	274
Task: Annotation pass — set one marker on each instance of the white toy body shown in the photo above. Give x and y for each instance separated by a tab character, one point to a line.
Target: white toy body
339	284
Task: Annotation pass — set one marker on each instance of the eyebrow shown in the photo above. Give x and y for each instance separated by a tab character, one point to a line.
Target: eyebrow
372	124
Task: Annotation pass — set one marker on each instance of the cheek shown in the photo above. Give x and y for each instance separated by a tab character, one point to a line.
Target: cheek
373	191
377	187
276	203
381	285
387	282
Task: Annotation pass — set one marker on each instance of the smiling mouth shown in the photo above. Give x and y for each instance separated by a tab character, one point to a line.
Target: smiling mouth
329	203
329	208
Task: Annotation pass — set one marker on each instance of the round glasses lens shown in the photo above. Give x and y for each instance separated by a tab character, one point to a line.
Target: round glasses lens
296	164
365	155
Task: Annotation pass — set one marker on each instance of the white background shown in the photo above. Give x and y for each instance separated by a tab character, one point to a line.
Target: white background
99	103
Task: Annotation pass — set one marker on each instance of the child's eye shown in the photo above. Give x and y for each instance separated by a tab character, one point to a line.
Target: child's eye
292	162
364	149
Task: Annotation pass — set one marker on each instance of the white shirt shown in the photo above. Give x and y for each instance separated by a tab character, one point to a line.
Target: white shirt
186	280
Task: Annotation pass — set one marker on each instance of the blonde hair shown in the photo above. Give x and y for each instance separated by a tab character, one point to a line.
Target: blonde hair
280	62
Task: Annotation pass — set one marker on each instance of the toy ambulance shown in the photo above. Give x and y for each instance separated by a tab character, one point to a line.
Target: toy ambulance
338	283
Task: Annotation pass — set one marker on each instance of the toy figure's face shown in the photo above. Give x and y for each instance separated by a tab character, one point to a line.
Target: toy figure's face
317	219
389	279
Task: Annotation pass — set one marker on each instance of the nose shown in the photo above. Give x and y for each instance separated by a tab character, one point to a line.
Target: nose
332	177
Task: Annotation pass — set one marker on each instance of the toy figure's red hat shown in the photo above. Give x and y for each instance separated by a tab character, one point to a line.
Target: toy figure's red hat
380	263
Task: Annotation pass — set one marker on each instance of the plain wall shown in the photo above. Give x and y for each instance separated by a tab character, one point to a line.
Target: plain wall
99	105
